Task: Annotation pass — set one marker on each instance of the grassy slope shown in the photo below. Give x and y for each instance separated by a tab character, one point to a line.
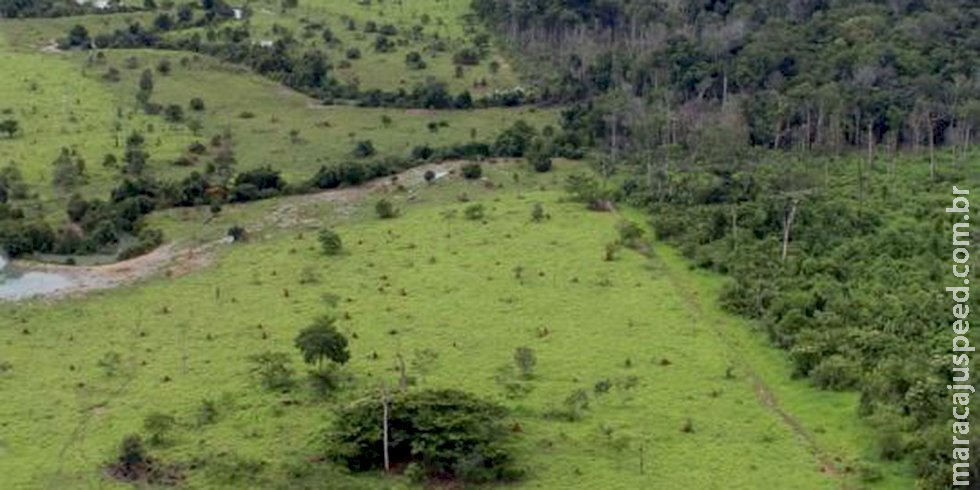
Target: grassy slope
57	108
83	114
387	70
468	307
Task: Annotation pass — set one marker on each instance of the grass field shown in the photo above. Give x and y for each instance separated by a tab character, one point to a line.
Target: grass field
680	394
58	108
439	23
182	342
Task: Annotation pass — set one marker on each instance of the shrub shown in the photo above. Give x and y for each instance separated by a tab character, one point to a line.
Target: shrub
472	171
537	213
207	413
353	53
525	359
540	161
467	56
385	209
414	61
612	249
158	425
465	437
383	45
429	176
174	113
364	149
474	212
630	234
134	465
237	233
197	104
273	370
148	240
330	242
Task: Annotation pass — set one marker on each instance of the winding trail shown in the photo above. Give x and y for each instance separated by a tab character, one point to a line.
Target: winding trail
695	310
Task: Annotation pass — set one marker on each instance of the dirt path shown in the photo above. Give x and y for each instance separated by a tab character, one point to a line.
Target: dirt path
692	304
173	260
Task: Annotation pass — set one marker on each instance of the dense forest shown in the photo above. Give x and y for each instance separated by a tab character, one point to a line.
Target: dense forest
806	74
764	138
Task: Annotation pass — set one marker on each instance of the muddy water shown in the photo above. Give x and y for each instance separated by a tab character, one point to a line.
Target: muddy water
15	285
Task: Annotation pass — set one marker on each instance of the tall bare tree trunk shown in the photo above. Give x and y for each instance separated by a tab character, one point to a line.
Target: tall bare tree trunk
787	224
871	148
932	148
724	88
384	429
734	227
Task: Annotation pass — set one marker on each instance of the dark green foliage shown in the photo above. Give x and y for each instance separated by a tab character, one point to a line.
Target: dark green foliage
525	360
68	170
857	266
135	465
146	81
447	433
273	370
364	149
385	209
585	189
321	342
383	45
238	233
802	74
540	162
197	104
10	127
537	213
330	242
467	56
414	61
630	234
78	36
475	212
147	240
173	113
158	425
472	171
515	140
260	183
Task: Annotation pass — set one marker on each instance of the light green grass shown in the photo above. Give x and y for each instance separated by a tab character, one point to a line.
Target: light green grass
388	71
57	107
30	35
606	320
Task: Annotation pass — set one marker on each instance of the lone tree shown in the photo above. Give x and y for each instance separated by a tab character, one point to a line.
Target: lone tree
9	126
472	171
330	242
385	209
525	359
364	149
322	342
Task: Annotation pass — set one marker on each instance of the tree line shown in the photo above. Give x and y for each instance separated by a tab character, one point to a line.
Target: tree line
810	75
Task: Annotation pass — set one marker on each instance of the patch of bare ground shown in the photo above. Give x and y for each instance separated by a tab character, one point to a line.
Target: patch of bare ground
171	260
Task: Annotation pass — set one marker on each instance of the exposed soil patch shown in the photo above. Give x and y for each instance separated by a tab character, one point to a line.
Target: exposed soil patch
173	261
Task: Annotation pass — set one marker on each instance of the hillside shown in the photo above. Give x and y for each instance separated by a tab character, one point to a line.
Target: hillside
454	244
